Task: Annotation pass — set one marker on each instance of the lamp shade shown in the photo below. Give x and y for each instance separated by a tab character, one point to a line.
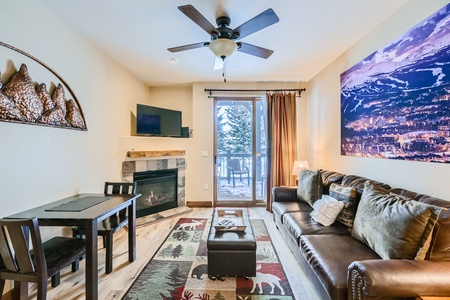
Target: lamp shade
299	165
222	47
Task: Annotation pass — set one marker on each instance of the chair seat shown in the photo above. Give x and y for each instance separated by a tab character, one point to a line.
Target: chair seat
61	251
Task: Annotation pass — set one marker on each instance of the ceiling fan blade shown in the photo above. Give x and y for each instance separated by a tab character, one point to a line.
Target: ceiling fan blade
255	50
261	21
218	63
187	47
192	13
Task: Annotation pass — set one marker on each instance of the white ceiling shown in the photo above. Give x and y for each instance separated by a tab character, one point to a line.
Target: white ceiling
137	33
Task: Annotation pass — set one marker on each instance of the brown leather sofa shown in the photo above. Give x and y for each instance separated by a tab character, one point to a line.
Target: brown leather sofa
342	267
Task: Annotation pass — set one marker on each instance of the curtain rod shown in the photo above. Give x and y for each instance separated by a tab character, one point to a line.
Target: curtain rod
270	90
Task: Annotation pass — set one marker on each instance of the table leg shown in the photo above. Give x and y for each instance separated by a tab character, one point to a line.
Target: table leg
132	231
91	260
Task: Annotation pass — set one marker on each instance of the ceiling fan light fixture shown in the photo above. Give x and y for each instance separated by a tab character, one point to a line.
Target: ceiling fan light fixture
222	47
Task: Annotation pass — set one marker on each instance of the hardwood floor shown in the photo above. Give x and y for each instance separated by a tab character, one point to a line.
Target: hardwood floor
149	238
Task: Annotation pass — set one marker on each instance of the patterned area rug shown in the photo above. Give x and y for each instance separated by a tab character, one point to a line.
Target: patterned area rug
179	269
170	213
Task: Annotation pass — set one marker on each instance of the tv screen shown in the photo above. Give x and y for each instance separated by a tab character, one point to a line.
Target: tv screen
156	121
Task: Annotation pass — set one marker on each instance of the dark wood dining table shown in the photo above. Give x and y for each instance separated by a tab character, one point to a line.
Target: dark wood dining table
89	219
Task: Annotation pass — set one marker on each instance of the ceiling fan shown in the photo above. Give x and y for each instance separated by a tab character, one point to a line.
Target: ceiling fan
223	38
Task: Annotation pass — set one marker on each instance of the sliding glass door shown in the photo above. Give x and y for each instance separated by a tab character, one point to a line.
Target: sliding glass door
240	156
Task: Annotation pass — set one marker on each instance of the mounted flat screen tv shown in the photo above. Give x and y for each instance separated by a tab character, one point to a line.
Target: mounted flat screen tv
156	121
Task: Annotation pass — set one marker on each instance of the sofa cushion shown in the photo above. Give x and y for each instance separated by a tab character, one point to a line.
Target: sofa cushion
301	223
330	255
440	241
280	208
329	177
284	193
347	195
358	183
326	210
395	228
309	188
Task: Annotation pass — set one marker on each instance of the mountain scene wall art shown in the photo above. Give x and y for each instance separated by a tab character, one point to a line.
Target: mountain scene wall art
21	101
395	103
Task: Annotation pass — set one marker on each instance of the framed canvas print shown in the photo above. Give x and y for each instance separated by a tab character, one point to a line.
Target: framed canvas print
395	103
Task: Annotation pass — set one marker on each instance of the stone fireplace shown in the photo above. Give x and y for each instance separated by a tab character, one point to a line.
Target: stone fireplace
161	180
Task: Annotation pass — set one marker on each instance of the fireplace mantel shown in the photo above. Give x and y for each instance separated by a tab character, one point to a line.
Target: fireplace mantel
135	154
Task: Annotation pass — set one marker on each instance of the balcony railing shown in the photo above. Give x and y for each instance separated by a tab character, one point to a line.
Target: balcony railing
224	175
245	161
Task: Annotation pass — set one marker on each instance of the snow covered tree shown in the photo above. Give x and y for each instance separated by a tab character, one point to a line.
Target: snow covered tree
222	136
240	134
237	134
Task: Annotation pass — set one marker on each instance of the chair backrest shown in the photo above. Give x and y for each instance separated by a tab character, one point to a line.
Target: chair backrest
234	164
14	248
123	188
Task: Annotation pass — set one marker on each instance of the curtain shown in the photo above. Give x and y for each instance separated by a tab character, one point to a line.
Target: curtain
281	137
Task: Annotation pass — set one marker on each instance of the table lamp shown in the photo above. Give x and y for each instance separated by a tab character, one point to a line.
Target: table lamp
299	165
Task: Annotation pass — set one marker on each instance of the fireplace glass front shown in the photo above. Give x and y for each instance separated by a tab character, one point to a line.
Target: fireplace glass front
158	189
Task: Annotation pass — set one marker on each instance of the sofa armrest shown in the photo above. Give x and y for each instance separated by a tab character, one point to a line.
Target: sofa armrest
373	279
284	193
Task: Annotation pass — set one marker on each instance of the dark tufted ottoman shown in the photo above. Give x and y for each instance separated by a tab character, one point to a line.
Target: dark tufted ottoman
231	253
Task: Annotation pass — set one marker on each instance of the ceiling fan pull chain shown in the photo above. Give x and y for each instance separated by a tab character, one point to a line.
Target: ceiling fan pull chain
224	73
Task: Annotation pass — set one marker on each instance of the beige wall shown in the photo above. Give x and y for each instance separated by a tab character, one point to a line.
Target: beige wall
42	164
324	113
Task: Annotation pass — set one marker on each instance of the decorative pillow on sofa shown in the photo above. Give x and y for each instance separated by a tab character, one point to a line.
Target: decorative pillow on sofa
326	210
309	188
347	195
393	227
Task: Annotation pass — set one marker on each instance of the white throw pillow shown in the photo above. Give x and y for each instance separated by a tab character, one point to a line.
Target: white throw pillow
326	210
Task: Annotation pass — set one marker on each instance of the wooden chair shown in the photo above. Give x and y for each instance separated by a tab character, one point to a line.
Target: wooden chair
234	168
109	226
43	261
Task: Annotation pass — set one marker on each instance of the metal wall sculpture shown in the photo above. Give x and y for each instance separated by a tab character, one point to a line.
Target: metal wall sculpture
23	102
396	102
